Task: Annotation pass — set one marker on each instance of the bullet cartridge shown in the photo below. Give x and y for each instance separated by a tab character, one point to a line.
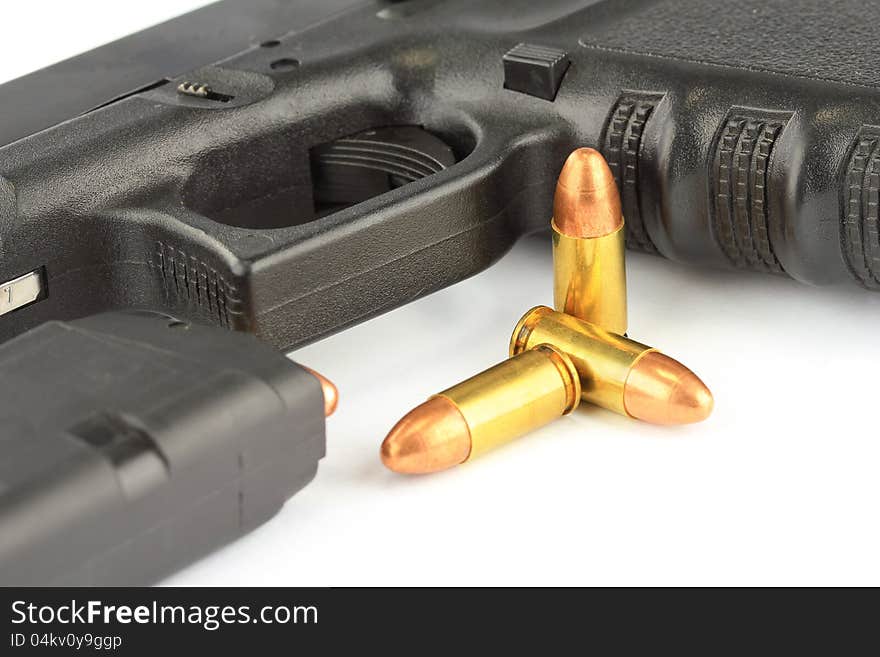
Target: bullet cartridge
329	389
504	402
589	272
617	373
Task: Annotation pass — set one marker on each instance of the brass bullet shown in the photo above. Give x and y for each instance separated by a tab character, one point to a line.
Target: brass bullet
589	273
331	392
506	401
617	373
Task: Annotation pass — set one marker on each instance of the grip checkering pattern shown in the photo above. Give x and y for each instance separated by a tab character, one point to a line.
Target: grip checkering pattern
860	240
622	147
192	283
740	185
815	39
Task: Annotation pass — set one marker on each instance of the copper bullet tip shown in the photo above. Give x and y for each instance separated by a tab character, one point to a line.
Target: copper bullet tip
331	392
433	436
587	203
661	390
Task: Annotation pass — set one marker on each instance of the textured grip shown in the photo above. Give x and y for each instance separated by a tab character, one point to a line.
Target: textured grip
817	39
860	241
622	146
190	283
740	183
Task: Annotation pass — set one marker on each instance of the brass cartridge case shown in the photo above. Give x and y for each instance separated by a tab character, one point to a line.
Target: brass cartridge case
617	373
589	278
589	272
516	396
502	403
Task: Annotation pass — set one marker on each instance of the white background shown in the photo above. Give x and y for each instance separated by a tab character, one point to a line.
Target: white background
779	486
